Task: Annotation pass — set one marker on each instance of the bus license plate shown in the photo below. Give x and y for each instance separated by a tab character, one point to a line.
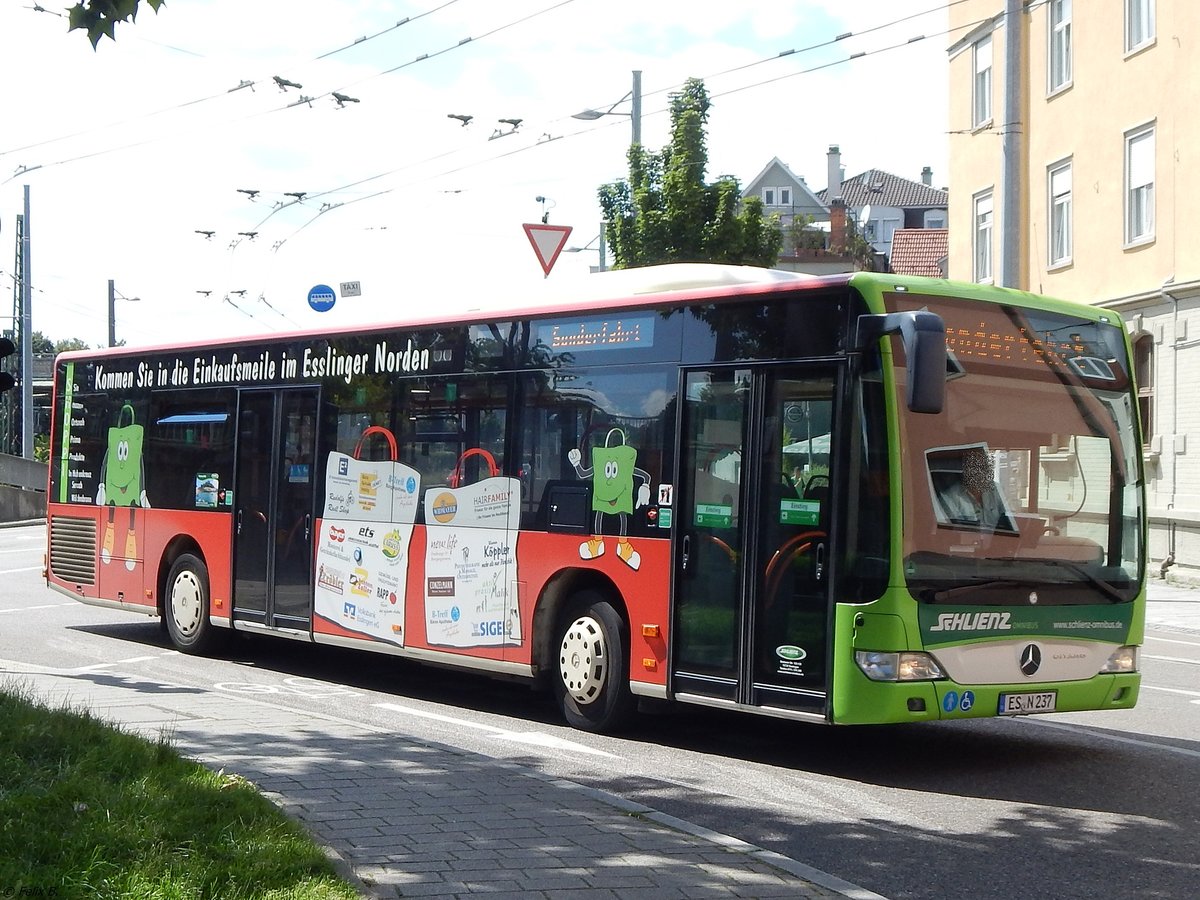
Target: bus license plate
1019	704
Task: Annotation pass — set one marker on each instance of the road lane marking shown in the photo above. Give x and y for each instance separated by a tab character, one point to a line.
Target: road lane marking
119	662
25	569
533	738
1170	641
1150	687
30	608
1081	729
1176	659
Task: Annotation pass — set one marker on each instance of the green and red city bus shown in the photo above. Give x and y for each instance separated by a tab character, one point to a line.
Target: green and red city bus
847	499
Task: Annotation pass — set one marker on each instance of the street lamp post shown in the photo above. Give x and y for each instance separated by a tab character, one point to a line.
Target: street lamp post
112	311
635	106
603	267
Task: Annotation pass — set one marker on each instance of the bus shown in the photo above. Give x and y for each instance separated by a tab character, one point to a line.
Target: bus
848	499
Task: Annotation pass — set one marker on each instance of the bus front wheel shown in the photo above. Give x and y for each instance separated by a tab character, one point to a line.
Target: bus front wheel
592	667
185	610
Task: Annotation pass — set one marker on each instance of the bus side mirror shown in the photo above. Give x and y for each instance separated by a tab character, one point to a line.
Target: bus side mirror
924	337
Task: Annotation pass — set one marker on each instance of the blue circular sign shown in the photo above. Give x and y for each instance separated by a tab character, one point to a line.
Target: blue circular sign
321	298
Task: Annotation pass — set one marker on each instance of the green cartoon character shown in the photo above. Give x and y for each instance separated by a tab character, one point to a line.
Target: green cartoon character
612	472
122	483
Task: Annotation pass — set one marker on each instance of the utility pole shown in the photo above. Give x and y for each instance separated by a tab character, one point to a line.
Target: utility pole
1010	147
26	340
635	109
112	313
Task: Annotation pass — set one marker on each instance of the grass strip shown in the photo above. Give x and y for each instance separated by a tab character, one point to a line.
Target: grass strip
90	811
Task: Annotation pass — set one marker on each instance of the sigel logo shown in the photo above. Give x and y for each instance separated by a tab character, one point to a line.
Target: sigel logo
980	621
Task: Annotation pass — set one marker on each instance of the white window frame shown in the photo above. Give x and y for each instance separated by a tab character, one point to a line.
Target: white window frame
982	235
785	196
1140	25
1140	146
1059	56
768	196
1059	214
981	85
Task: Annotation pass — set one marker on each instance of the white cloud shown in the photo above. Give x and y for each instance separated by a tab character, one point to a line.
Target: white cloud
425	213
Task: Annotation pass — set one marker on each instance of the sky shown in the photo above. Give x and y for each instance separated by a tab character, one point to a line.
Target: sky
131	150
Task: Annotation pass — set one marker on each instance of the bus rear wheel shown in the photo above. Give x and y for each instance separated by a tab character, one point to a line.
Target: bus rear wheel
185	609
591	679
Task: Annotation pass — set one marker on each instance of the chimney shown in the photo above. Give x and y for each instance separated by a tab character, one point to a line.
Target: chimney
834	183
837	226
927	176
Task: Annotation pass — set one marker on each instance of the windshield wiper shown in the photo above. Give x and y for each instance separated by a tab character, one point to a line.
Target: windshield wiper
982	584
1103	586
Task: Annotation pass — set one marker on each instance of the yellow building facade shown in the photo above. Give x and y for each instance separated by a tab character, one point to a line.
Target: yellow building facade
1098	122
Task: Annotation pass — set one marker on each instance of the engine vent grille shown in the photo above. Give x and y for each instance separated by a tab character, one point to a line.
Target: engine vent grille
73	549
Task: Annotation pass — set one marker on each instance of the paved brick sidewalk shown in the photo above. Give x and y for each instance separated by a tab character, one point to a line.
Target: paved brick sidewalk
407	818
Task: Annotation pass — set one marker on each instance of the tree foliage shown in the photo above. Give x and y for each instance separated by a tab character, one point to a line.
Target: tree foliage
100	17
664	212
41	344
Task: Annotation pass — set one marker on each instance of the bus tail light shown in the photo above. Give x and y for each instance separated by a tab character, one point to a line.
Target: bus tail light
904	666
1123	659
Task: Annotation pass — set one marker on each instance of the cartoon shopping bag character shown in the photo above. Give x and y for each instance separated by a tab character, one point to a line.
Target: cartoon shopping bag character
122	483
612	472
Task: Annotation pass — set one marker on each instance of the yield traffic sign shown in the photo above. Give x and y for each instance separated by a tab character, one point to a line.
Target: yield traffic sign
548	241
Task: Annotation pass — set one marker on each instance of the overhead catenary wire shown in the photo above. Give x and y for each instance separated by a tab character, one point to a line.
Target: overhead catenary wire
493	158
244	83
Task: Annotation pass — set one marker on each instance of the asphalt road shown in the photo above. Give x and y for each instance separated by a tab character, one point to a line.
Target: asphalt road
1080	805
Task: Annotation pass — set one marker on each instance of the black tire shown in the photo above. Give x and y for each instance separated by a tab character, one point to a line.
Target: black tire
185	607
591	665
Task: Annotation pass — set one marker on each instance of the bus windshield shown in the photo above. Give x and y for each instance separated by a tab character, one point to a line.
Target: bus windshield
1025	489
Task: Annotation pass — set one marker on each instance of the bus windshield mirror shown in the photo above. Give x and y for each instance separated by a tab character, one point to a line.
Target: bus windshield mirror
924	336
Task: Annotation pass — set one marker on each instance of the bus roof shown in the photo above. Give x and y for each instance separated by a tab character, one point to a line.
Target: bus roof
670	283
602	290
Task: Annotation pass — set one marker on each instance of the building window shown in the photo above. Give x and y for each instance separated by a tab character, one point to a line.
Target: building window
1139	185
1139	24
982	89
1059	181
1060	44
935	218
777	196
1143	372
982	236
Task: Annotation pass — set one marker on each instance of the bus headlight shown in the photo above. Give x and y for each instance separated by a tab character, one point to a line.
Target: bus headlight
904	666
1123	659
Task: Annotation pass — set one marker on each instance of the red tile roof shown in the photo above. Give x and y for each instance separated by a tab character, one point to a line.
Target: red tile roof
920	251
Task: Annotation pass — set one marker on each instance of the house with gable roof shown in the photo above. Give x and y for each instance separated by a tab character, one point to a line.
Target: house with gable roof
785	195
877	202
882	203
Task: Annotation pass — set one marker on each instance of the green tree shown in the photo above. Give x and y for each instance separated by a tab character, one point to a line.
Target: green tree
70	344
665	212
100	17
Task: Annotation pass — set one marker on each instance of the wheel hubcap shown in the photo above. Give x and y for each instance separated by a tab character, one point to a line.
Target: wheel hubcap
583	660
185	603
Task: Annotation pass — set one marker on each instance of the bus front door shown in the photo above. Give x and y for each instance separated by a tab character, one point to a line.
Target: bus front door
276	471
753	538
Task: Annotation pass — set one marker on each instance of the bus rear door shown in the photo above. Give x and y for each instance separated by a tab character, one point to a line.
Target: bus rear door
276	462
753	536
